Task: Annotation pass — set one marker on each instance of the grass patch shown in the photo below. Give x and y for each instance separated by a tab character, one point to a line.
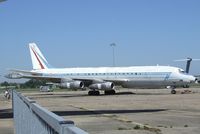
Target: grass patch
122	128
150	129
137	127
156	130
162	126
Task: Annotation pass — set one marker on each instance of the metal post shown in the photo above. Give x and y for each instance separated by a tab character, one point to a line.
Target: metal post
113	45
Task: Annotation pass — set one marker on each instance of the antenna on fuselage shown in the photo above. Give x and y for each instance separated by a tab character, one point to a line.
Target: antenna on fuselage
189	60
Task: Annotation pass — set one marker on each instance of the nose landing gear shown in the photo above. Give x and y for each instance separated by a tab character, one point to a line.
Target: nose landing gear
173	91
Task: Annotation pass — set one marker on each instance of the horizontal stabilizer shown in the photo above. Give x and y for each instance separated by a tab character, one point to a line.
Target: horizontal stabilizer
24	71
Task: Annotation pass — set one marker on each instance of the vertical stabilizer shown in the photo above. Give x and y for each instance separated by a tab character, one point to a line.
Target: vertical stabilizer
38	60
188	65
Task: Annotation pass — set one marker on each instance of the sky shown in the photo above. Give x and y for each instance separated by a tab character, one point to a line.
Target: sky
78	33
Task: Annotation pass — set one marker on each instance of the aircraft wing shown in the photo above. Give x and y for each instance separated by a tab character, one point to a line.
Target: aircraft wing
29	75
24	72
58	79
116	81
47	78
87	81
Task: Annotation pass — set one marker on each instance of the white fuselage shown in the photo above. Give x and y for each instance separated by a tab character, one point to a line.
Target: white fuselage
129	77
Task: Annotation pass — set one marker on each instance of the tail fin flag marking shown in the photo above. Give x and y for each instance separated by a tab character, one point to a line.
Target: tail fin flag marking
38	60
41	66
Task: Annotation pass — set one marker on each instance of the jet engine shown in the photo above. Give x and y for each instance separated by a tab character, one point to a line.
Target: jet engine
72	85
102	86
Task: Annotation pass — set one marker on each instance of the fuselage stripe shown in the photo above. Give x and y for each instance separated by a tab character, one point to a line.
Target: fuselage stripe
42	67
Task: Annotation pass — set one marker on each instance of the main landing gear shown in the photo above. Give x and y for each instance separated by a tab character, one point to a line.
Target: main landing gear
93	92
96	92
173	91
109	92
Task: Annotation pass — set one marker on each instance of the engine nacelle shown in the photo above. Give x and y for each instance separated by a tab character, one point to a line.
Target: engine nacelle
102	86
72	85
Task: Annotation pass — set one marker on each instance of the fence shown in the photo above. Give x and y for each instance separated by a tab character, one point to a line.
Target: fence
31	118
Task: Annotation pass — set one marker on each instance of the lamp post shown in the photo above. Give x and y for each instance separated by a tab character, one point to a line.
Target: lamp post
113	45
2	0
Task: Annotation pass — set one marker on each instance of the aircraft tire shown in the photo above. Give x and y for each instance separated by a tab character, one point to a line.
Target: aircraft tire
90	92
173	91
112	91
96	93
93	93
109	92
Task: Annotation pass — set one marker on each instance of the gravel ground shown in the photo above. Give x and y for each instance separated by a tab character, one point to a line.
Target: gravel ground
152	111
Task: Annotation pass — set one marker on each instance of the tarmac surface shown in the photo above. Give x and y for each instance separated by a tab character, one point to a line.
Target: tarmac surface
150	111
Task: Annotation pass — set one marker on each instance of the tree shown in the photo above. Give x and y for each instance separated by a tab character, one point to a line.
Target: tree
5	83
33	83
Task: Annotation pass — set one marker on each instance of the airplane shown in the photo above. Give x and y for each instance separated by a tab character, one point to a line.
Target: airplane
103	78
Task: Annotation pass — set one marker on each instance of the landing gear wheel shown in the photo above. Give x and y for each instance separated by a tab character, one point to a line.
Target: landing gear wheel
90	92
112	91
109	92
93	93
96	93
173	91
